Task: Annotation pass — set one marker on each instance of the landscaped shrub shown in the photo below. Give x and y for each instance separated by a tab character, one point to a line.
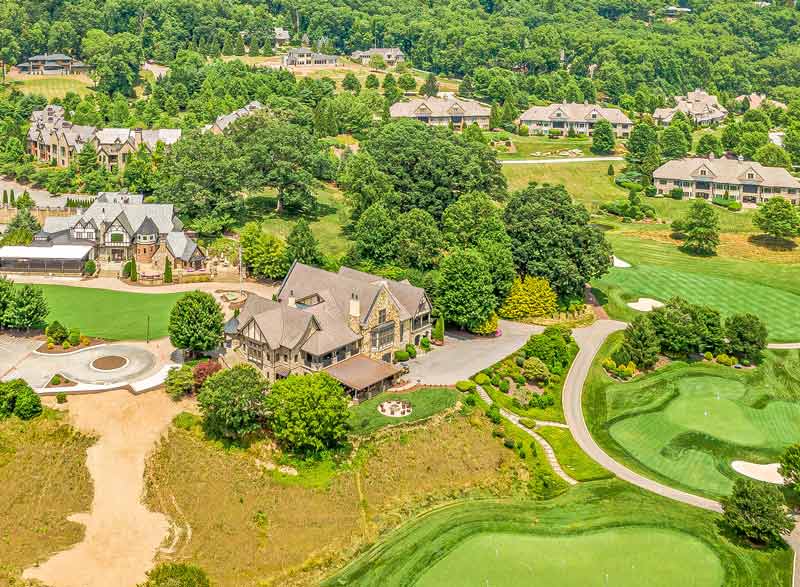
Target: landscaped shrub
520	379
504	386
509	443
66	345
425	343
438	329
17	397
204	370
56	380
493	413
470	400
85	341
523	130
676	193
176	575
535	370
495	379
50	346
61	397
401	356
724	359
90	267
411	350
745	362
519	360
126	270
528	423
728	203
465	386
488	327
481	379
179	382
56	332
74	336
541	402
708	356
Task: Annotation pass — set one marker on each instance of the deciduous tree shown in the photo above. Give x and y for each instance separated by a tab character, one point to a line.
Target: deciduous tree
466	294
603	140
302	246
234	402
195	323
747	336
757	511
778	218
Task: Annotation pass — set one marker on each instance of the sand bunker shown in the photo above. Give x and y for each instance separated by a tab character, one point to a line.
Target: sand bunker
645	304
620	263
768	473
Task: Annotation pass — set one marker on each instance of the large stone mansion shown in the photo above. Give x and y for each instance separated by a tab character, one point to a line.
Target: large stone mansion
348	324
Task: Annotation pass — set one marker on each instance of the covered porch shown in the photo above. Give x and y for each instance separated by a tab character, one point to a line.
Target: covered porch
364	377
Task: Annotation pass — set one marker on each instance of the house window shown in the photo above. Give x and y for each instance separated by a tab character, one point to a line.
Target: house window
116	237
750	176
702	172
382	337
381	316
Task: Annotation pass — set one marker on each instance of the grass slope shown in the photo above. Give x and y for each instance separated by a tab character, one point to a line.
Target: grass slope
365	417
50	87
685	423
612	508
547	148
570	456
660	271
113	315
43	468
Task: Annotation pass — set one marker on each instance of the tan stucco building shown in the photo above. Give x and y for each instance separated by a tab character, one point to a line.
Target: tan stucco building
571	116
443	111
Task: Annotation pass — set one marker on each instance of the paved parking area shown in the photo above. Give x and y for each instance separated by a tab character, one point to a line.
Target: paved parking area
464	355
12	350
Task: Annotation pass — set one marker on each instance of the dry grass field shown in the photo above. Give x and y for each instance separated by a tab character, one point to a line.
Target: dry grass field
290	530
46	459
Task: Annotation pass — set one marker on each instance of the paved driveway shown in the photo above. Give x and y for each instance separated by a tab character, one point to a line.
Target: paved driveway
13	349
464	355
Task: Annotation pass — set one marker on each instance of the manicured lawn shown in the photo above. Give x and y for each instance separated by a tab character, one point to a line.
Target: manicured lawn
599	528
365	417
660	271
588	183
570	456
113	315
619	556
685	423
543	147
45	480
326	225
51	86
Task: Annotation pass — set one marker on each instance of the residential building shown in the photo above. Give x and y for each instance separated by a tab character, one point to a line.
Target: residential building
225	120
52	138
282	36
52	64
579	118
391	55
348	324
744	181
757	100
307	56
700	106
443	111
119	226
676	11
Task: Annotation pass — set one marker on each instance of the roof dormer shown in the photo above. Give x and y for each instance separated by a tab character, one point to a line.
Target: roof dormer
750	174
704	171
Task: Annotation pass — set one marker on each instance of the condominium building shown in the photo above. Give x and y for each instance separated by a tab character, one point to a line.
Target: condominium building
571	116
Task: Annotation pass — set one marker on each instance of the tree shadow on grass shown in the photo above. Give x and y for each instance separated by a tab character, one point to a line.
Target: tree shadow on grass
772	243
262	206
734	537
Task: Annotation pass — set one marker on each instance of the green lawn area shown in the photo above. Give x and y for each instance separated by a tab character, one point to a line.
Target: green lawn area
51	86
660	271
570	456
113	315
685	423
593	531
541	146
365	417
588	183
326	224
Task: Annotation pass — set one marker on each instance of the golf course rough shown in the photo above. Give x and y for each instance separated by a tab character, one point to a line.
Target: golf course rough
618	556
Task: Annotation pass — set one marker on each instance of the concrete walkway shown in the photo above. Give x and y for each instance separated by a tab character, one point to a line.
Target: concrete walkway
783	345
548	450
564	160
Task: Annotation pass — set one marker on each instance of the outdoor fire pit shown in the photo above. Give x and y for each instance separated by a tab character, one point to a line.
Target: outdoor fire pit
395	408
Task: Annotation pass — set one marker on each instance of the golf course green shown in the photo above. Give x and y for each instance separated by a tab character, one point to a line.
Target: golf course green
595	534
618	556
685	423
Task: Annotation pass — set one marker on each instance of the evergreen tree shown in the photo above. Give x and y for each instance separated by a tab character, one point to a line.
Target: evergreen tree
603	140
302	246
351	83
227	46
529	297
325	124
407	82
430	87
495	118
640	343
372	82
167	271
673	143
651	162
707	144
134	276
27	308
239	50
610	171
391	92
509	113
643	136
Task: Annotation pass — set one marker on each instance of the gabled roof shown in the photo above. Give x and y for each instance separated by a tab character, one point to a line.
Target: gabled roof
181	246
727	171
575	112
438	106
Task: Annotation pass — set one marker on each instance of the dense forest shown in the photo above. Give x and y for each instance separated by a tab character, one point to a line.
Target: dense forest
543	49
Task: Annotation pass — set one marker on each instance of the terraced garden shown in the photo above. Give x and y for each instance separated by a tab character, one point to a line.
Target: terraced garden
686	423
600	533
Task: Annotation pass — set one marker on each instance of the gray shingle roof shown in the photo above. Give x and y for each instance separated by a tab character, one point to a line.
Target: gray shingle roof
438	106
726	171
574	112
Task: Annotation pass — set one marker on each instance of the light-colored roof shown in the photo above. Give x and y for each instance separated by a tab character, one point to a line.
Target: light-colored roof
180	245
756	100
436	106
281	325
54	224
168	136
360	371
726	171
109	136
698	104
60	252
50	57
223	121
574	112
382	51
281	34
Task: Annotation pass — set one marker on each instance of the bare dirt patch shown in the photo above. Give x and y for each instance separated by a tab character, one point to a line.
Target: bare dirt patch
109	363
122	535
44	479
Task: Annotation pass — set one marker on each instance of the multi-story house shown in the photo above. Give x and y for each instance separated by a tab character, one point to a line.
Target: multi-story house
307	56
120	226
700	106
52	138
391	55
52	64
282	36
348	324
580	118
744	181
443	111
225	120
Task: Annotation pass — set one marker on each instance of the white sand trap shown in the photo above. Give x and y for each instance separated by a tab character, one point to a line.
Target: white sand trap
620	263
768	473
645	304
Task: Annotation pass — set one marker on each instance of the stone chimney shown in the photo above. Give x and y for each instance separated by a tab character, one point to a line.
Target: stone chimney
355	313
292	303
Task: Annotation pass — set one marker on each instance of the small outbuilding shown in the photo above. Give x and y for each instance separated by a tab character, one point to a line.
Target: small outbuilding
63	259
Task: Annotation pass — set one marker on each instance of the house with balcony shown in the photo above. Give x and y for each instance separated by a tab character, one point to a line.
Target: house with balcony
52	64
443	111
119	226
348	324
391	55
747	182
701	107
571	116
307	56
